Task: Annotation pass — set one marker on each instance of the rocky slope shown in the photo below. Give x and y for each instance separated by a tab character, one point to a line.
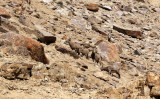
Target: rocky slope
79	49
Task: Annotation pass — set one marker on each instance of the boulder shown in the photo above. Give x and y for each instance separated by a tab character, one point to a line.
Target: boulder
108	52
35	49
16	71
44	36
129	32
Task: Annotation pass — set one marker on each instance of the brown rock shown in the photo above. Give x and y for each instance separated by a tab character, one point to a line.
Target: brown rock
152	79
132	21
127	8
4	13
140	0
155	91
16	71
129	32
35	49
46	37
93	7
108	52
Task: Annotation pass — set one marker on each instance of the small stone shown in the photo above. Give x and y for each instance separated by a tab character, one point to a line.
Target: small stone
47	1
132	21
155	91
106	7
136	52
156	9
147	28
120	13
93	7
140	0
127	8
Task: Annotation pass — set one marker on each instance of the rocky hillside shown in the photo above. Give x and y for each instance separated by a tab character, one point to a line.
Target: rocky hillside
79	49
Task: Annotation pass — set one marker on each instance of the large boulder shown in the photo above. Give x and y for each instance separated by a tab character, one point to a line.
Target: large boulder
16	71
35	49
108	51
130	32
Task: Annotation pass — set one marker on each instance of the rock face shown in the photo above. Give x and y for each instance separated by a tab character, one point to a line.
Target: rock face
35	49
108	52
16	71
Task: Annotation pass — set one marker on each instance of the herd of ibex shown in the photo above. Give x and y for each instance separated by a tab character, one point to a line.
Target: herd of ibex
91	52
85	50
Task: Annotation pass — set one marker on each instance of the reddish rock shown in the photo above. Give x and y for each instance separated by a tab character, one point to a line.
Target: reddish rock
64	38
129	32
93	7
35	49
4	13
108	51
